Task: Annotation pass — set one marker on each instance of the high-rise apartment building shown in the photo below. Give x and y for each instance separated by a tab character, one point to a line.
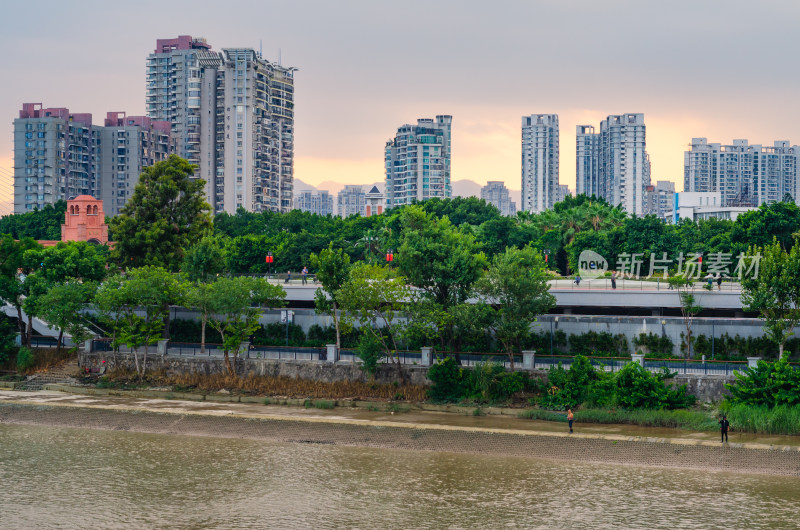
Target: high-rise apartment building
587	159
316	202
173	91
233	114
496	193
613	164
744	175
55	156
60	155
128	145
350	201
539	162
658	198
563	192
624	168
417	162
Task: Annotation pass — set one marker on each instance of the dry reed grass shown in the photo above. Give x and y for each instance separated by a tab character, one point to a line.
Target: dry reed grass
280	386
47	358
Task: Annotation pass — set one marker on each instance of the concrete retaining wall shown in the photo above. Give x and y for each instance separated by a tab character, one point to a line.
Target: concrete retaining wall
632	327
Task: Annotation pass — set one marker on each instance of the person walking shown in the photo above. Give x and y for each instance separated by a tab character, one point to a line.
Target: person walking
569	419
578	280
288	277
305	274
723	429
614	280
719	282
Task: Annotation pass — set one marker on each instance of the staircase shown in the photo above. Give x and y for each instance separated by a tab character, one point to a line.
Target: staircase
39	325
61	374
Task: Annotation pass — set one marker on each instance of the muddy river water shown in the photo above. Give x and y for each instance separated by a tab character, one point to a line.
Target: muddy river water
54	477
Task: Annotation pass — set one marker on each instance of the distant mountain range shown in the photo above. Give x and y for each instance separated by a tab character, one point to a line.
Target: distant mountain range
461	188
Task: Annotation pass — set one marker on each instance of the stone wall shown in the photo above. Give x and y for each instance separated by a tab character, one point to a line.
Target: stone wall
308	370
707	388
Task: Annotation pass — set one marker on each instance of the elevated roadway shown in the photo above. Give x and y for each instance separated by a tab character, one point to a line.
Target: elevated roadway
597	297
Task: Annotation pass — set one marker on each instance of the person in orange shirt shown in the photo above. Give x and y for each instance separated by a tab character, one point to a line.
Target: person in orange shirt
569	419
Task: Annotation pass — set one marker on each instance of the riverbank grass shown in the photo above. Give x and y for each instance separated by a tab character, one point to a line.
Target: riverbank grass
693	420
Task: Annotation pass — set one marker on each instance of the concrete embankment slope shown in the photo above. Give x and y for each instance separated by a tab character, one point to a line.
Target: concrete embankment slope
195	419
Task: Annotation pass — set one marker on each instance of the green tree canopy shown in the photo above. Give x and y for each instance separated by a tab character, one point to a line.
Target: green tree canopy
44	224
516	284
775	291
204	260
332	268
61	307
234	310
166	215
758	227
375	295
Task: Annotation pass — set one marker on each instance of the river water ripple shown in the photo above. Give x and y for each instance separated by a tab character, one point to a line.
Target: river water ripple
78	478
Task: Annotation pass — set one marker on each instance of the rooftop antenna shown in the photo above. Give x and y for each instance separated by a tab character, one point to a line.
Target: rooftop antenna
260	48
279	57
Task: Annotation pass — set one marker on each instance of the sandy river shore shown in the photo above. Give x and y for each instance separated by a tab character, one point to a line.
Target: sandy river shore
416	431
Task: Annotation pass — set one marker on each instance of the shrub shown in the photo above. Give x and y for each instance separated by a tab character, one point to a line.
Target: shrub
582	382
370	351
658	345
25	359
767	384
275	334
489	382
638	388
599	343
541	342
554	397
318	334
8	333
445	374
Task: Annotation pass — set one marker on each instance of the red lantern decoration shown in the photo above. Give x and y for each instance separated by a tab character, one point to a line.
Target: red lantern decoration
389	256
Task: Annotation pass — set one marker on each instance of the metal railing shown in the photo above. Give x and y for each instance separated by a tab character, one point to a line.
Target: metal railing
653	284
467	359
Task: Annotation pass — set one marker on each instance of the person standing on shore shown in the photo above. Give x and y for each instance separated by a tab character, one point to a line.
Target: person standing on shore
305	274
569	419
723	429
614	280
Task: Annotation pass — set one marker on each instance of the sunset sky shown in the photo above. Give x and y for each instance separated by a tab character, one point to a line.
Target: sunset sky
721	70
